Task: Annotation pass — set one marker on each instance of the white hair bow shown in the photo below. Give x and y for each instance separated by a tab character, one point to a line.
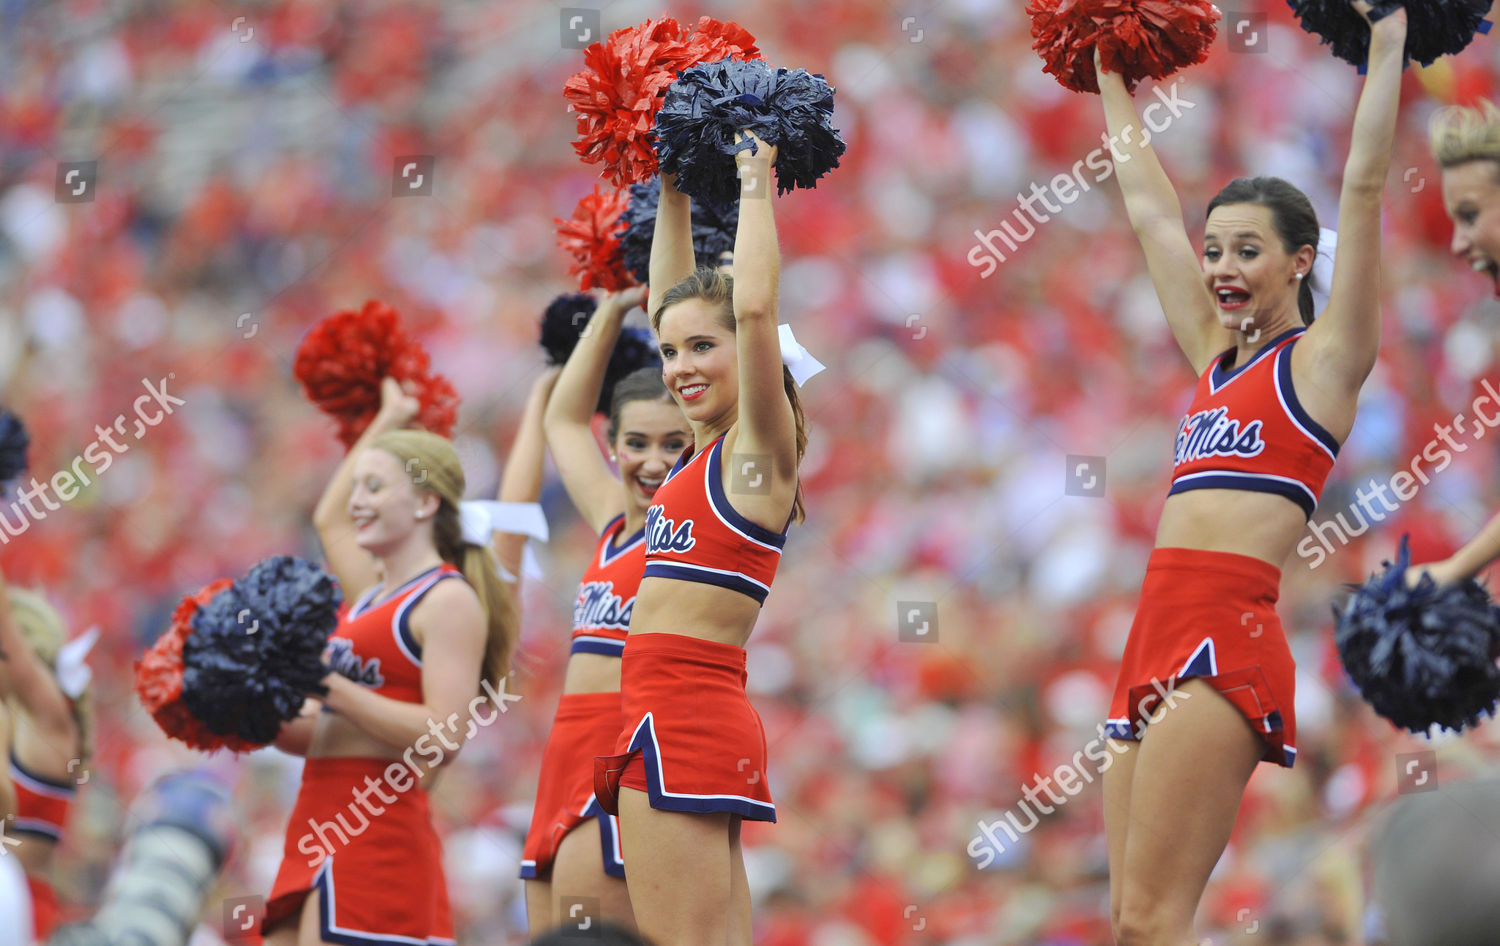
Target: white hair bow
1320	280
802	365
73	674
481	518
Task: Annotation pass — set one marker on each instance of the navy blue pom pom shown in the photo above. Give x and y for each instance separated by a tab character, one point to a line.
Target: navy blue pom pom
636	349
713	229
709	103
563	322
1434	28
13	443
256	650
1422	656
562	325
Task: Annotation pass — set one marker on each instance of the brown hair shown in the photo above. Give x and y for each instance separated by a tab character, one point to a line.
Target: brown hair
717	288
443	475
1292	215
642	384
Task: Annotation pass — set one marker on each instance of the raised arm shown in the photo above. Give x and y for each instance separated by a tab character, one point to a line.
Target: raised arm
590	484
351	565
24	676
1156	215
1346	336
766	425
522	480
672	258
1475	555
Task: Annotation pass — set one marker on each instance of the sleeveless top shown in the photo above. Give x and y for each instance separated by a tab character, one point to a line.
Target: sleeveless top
693	534
606	593
374	646
1246	430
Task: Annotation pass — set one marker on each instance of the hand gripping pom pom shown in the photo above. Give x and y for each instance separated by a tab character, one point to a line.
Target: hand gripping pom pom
344	357
592	238
713	229
709	104
617	94
1434	28
241	657
562	326
14	440
158	680
1422	656
1136	38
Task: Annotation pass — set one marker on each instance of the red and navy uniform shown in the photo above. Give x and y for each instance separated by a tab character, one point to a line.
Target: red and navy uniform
606	593
1246	430
1212	615
41	811
379	875
694	534
692	741
373	644
41	803
587	724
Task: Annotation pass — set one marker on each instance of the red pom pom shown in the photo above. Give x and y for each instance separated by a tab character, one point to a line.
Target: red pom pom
158	680
711	41
1136	38
617	94
592	238
343	359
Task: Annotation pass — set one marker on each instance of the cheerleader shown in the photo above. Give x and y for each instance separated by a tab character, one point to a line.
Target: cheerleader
573	847
690	764
414	660
44	682
1466	144
1206	683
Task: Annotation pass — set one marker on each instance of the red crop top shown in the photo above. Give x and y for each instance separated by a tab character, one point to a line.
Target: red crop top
693	534
41	803
1246	430
606	593
373	644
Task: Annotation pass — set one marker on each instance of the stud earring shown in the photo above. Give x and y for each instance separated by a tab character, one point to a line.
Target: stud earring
1299	275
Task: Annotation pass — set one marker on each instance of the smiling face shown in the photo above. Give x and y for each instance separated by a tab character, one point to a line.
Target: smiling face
384	505
1471	195
652	436
699	360
1249	273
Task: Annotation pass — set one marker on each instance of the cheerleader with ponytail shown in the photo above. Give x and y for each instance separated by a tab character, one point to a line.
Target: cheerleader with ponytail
1206	685
690	760
44	686
418	663
573	847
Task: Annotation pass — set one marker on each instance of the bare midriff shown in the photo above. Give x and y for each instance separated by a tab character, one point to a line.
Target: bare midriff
1260	525
693	609
592	673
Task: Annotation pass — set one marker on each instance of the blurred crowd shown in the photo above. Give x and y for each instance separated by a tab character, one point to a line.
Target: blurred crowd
245	157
